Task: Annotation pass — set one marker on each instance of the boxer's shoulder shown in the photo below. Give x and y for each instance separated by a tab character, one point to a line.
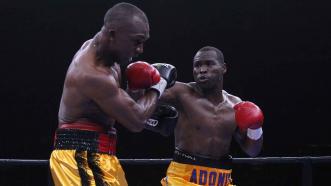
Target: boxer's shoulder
181	88
231	99
86	44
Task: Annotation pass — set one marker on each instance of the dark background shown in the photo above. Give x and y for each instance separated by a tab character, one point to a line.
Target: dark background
277	52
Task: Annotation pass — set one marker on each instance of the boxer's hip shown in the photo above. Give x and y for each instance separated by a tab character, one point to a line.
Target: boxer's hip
83	137
189	169
224	162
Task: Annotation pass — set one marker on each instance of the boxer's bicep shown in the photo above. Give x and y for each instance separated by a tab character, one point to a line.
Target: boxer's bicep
170	94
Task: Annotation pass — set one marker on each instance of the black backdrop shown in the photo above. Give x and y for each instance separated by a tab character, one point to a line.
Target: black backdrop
277	53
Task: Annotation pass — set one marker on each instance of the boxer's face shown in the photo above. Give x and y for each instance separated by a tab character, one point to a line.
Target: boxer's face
207	70
129	40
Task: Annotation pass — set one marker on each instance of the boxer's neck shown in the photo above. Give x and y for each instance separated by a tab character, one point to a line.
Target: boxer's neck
102	53
213	94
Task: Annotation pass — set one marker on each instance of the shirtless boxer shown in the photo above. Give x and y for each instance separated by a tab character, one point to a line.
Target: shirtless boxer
208	119
92	100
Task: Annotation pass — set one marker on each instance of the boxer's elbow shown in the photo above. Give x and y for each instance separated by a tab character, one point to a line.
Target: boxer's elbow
137	125
136	128
253	153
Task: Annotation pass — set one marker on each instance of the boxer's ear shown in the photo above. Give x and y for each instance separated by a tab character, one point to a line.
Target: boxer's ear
112	34
224	68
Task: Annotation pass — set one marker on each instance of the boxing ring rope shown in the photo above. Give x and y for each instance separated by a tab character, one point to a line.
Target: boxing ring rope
306	161
258	160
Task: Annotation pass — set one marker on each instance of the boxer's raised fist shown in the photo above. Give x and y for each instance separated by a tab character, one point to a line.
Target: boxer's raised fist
141	75
248	115
168	72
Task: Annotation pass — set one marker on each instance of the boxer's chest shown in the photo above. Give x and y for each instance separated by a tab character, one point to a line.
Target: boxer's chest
202	113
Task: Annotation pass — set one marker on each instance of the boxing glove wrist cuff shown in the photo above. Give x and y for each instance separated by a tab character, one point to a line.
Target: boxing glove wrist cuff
254	134
160	86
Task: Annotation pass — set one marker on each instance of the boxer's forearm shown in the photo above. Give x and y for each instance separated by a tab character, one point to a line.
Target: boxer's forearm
249	146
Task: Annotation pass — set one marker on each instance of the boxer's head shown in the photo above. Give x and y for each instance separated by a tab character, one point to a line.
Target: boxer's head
208	67
124	32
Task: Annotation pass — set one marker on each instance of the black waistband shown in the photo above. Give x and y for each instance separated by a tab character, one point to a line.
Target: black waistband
85	140
187	158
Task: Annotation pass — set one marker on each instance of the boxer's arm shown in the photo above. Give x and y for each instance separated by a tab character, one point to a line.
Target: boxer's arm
249	146
163	120
135	94
115	102
170	95
249	133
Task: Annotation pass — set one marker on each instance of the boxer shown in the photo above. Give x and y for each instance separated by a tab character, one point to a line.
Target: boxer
208	119
92	100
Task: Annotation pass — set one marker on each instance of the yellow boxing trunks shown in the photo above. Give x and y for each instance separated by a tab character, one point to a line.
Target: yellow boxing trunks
85	155
190	170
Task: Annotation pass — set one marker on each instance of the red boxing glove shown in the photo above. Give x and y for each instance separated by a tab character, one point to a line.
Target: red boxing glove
141	75
248	115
